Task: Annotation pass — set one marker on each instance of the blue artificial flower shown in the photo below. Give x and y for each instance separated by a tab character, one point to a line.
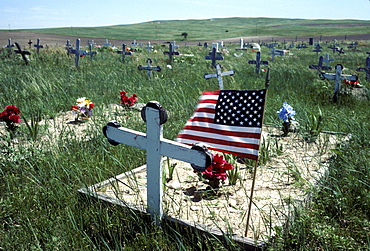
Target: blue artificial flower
286	112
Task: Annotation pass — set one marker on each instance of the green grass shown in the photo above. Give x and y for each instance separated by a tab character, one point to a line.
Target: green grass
39	176
217	28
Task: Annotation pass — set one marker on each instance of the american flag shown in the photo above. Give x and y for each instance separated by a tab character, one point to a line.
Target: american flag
228	121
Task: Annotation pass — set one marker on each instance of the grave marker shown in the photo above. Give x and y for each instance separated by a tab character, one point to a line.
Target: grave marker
338	77
149	47
9	46
134	43
156	147
107	44
277	52
320	65
38	46
241	46
149	68
214	55
172	51
22	52
317	48
219	75
123	52
77	52
258	62
366	69
91	52
302	46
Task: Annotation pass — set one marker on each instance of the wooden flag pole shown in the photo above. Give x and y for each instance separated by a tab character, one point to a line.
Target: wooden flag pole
267	82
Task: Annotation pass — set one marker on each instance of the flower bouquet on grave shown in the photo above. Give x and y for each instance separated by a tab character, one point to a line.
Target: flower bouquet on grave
286	113
217	171
127	101
10	115
83	108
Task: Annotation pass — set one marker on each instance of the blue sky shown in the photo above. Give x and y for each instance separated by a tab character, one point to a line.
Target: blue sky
28	14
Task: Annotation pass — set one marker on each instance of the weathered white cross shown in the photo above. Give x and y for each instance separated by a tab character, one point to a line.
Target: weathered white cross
338	77
258	62
149	68
219	75
156	147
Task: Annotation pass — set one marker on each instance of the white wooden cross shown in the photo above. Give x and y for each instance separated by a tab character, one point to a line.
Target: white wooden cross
156	147
338	77
219	75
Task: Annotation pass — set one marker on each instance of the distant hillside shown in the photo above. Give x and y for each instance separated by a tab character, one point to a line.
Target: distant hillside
212	29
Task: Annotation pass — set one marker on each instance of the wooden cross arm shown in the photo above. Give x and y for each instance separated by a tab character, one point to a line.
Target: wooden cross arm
216	58
120	135
149	68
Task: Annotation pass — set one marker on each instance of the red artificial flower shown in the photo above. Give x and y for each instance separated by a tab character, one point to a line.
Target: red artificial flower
74	107
218	168
91	105
14	118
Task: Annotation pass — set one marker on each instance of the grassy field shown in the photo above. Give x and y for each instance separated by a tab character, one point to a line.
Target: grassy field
41	172
211	29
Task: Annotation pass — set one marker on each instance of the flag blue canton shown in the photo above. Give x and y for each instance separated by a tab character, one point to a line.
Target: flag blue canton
240	108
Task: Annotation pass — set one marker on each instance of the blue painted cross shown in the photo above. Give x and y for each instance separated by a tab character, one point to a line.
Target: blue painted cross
258	62
366	69
149	47
172	51
320	65
123	52
277	52
156	146
107	44
38	45
9	46
22	52
149	68
134	43
317	48
91	52
77	52
219	75
214	55
302	46
338	77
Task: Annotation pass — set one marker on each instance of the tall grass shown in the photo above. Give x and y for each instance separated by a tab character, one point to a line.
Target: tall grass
39	178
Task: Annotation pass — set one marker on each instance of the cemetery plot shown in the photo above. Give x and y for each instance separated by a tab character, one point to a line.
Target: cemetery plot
280	183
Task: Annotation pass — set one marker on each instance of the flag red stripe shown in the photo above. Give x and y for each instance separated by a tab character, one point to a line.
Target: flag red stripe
218	141
223	132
